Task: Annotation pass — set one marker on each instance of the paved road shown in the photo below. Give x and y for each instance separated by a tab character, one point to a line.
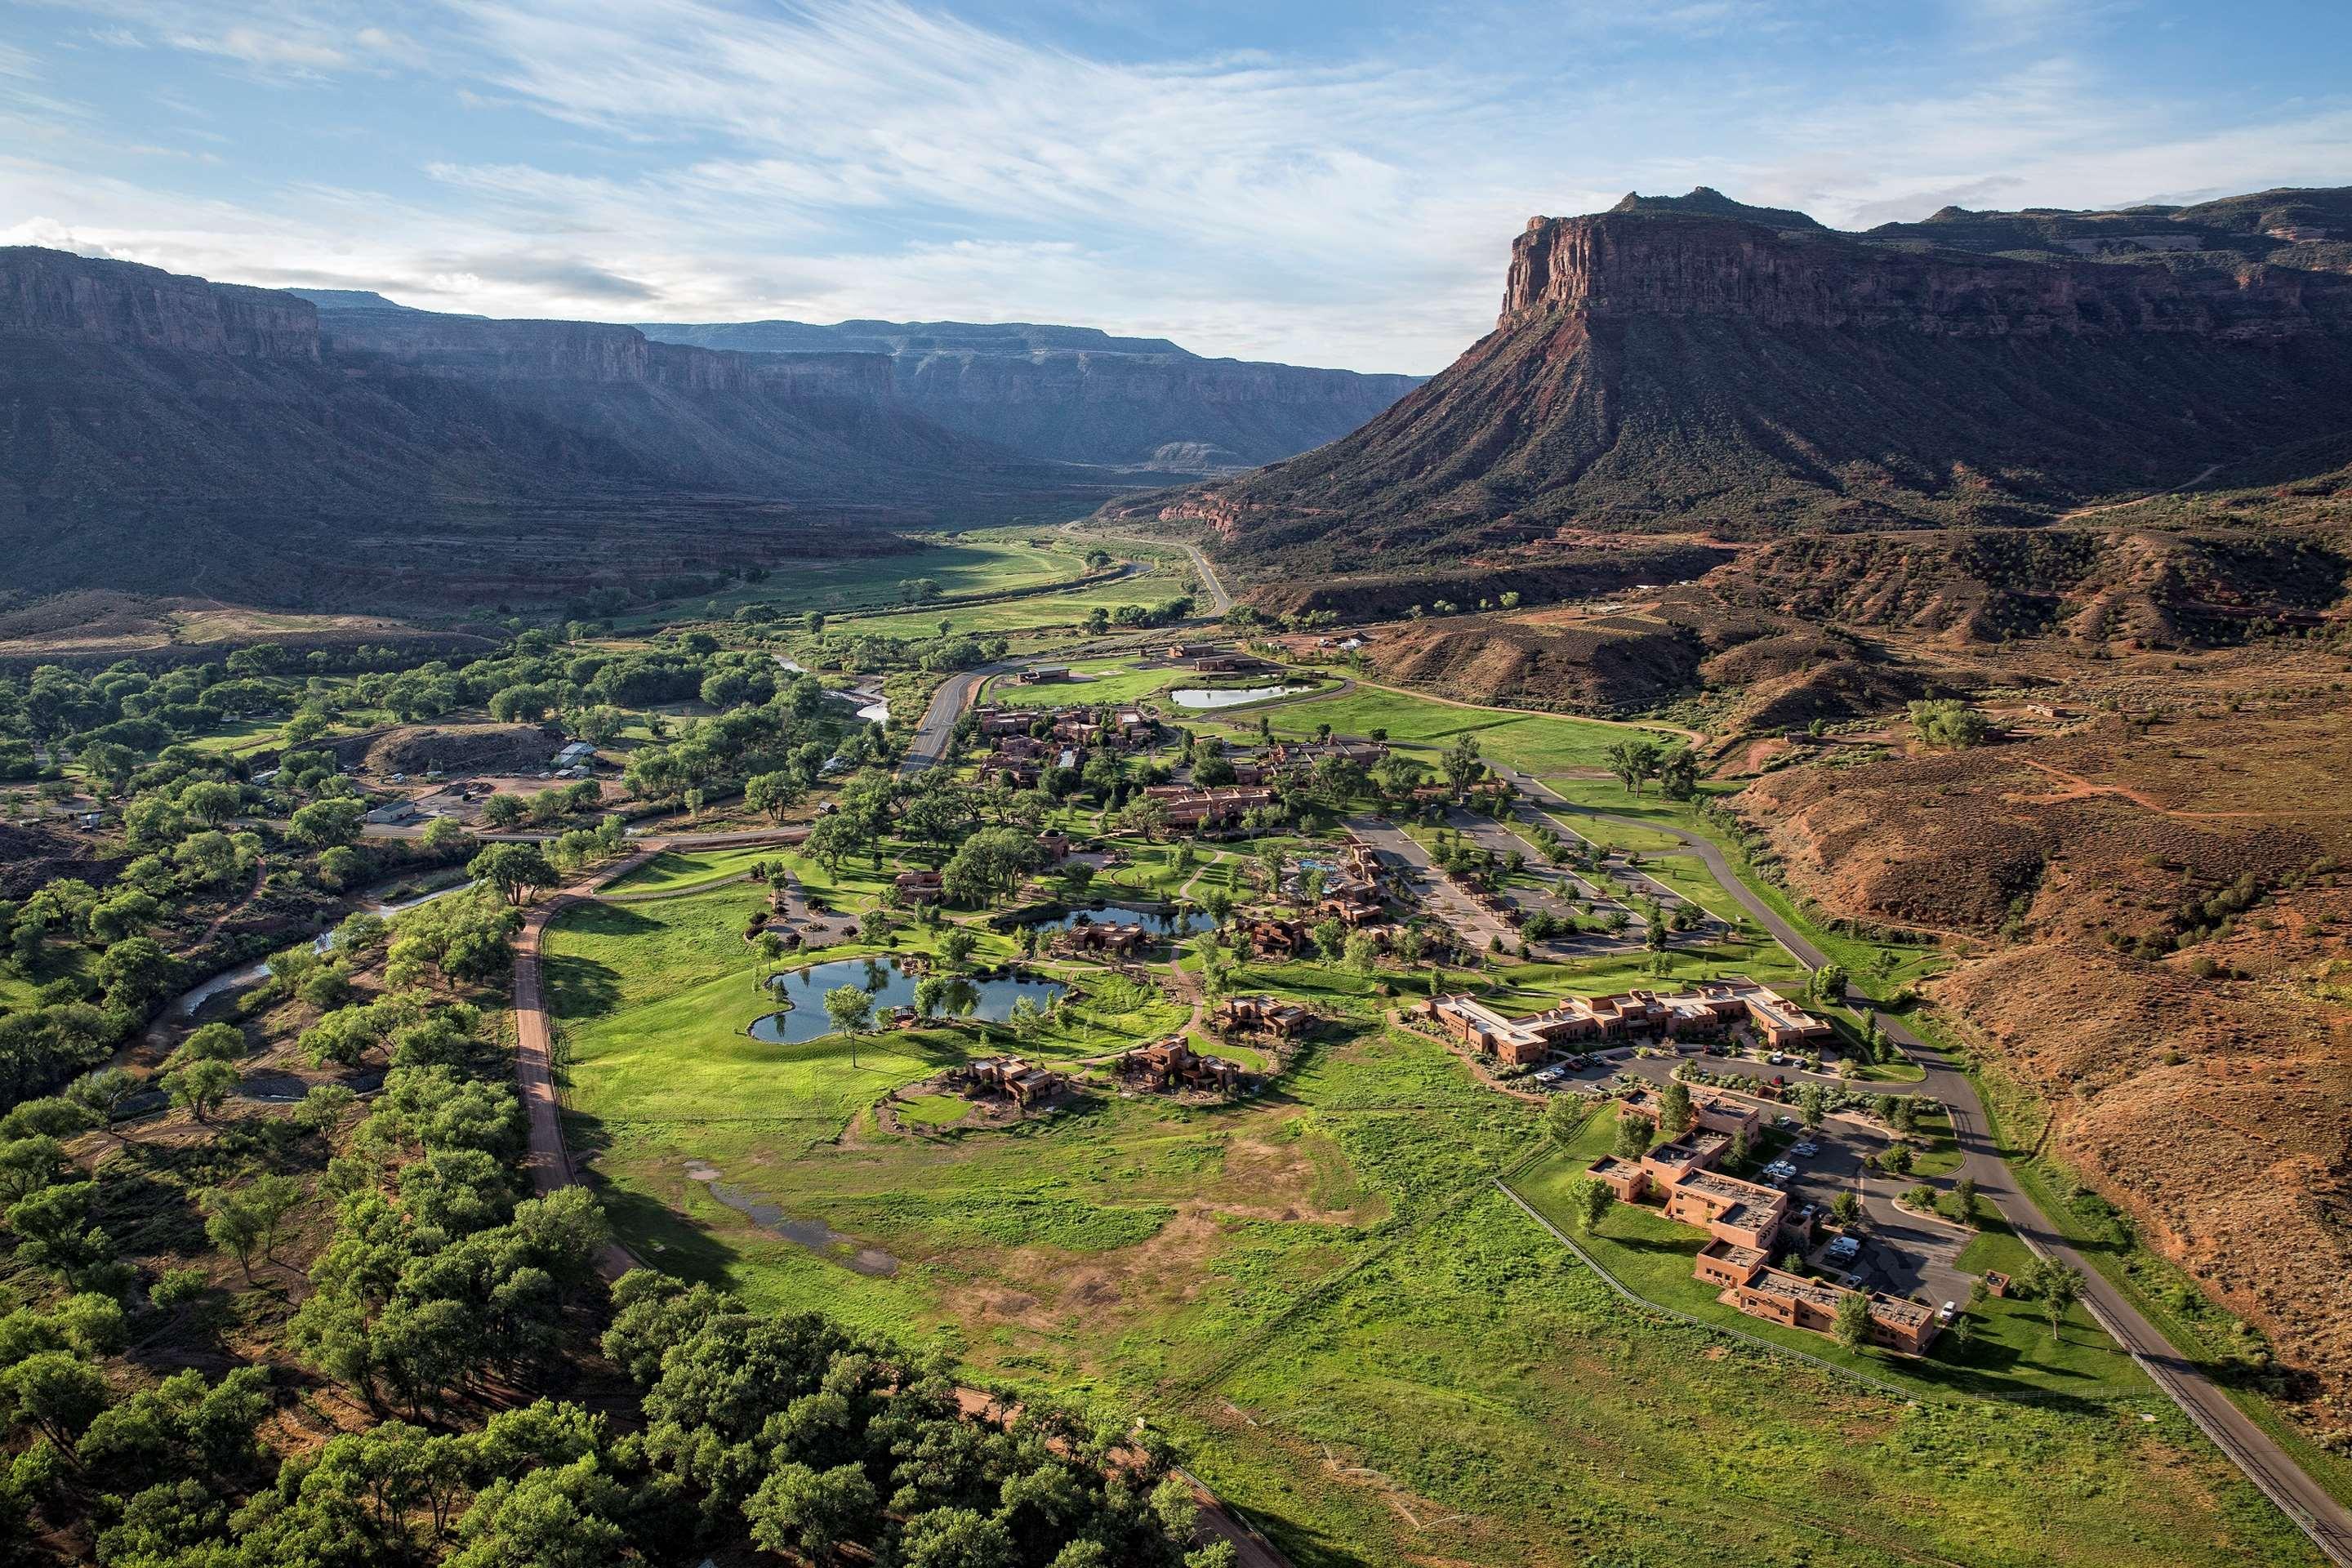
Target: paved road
1219	600
937	731
2320	1516
1474	927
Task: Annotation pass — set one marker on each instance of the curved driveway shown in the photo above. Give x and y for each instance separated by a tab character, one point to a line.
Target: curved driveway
2302	1499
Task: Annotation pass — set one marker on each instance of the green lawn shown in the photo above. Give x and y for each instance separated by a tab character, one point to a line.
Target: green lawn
1537	742
675	870
981	562
934	1109
1106	680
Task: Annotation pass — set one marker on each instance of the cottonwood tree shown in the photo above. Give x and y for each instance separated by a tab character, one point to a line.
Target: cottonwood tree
1852	1326
1589	1199
2057	1286
201	1087
516	870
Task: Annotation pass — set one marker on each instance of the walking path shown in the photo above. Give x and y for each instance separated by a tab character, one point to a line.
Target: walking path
2302	1499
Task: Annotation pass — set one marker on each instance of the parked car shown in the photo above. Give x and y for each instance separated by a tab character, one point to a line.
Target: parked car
1951	1309
1806	1150
1844	1249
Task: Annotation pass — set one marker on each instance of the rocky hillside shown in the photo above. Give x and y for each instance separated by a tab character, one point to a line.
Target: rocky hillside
1695	366
1081	395
2156	915
166	434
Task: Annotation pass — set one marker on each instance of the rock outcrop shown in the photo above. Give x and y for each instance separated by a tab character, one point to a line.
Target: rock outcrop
1688	366
1632	264
53	294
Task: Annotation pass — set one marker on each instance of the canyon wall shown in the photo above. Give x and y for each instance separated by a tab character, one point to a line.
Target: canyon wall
1628	264
53	294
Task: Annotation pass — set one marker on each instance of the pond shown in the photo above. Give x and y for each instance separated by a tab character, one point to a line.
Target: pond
812	1234
1230	695
891	986
1159	920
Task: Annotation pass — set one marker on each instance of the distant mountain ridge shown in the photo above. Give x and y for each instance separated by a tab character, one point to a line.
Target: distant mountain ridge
168	433
1694	365
1079	394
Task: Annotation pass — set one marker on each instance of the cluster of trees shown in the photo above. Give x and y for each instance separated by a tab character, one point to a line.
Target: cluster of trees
1949	723
822	1444
793	734
1168	612
1635	763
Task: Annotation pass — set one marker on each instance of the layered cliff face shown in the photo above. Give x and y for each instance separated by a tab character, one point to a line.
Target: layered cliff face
1686	367
164	434
1077	394
52	294
473	348
1632	264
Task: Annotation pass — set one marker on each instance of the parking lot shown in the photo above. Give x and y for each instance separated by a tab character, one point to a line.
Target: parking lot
1902	1254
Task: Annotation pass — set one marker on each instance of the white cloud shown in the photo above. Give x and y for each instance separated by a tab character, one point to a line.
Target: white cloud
709	160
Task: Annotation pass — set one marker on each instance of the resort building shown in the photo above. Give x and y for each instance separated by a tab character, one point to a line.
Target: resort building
1104	940
1706	1010
1744	1222
1262	1015
1172	1064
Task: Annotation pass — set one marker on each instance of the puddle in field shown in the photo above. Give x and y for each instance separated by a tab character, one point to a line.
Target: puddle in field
812	1234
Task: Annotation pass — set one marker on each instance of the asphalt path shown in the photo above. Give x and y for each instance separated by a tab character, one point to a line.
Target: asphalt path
2302	1499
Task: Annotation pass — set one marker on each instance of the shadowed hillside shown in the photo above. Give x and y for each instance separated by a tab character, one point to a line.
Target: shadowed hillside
164	434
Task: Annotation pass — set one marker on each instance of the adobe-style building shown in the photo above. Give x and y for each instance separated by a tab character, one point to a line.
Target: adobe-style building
1101	939
1717	1114
920	887
1017	1081
1262	1015
1207	810
1746	1214
1709	1009
1172	1064
1744	1221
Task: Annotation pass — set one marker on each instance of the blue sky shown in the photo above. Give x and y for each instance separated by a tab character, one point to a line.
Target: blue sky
1328	184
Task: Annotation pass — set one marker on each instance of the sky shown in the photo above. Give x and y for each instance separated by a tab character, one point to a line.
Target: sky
1331	183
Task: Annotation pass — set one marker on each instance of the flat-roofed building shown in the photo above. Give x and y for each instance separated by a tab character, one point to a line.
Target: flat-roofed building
1705	1011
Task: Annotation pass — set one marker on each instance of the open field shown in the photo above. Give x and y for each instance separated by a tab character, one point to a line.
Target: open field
982	561
1067	609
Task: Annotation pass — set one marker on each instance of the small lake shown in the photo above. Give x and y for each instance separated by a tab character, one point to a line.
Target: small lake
1230	695
891	987
1186	924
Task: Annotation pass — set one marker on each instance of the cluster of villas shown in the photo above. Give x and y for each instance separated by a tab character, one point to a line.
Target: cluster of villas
1019	754
1707	1010
1744	1222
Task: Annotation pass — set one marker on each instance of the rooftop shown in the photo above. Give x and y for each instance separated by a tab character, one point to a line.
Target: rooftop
1774	1282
